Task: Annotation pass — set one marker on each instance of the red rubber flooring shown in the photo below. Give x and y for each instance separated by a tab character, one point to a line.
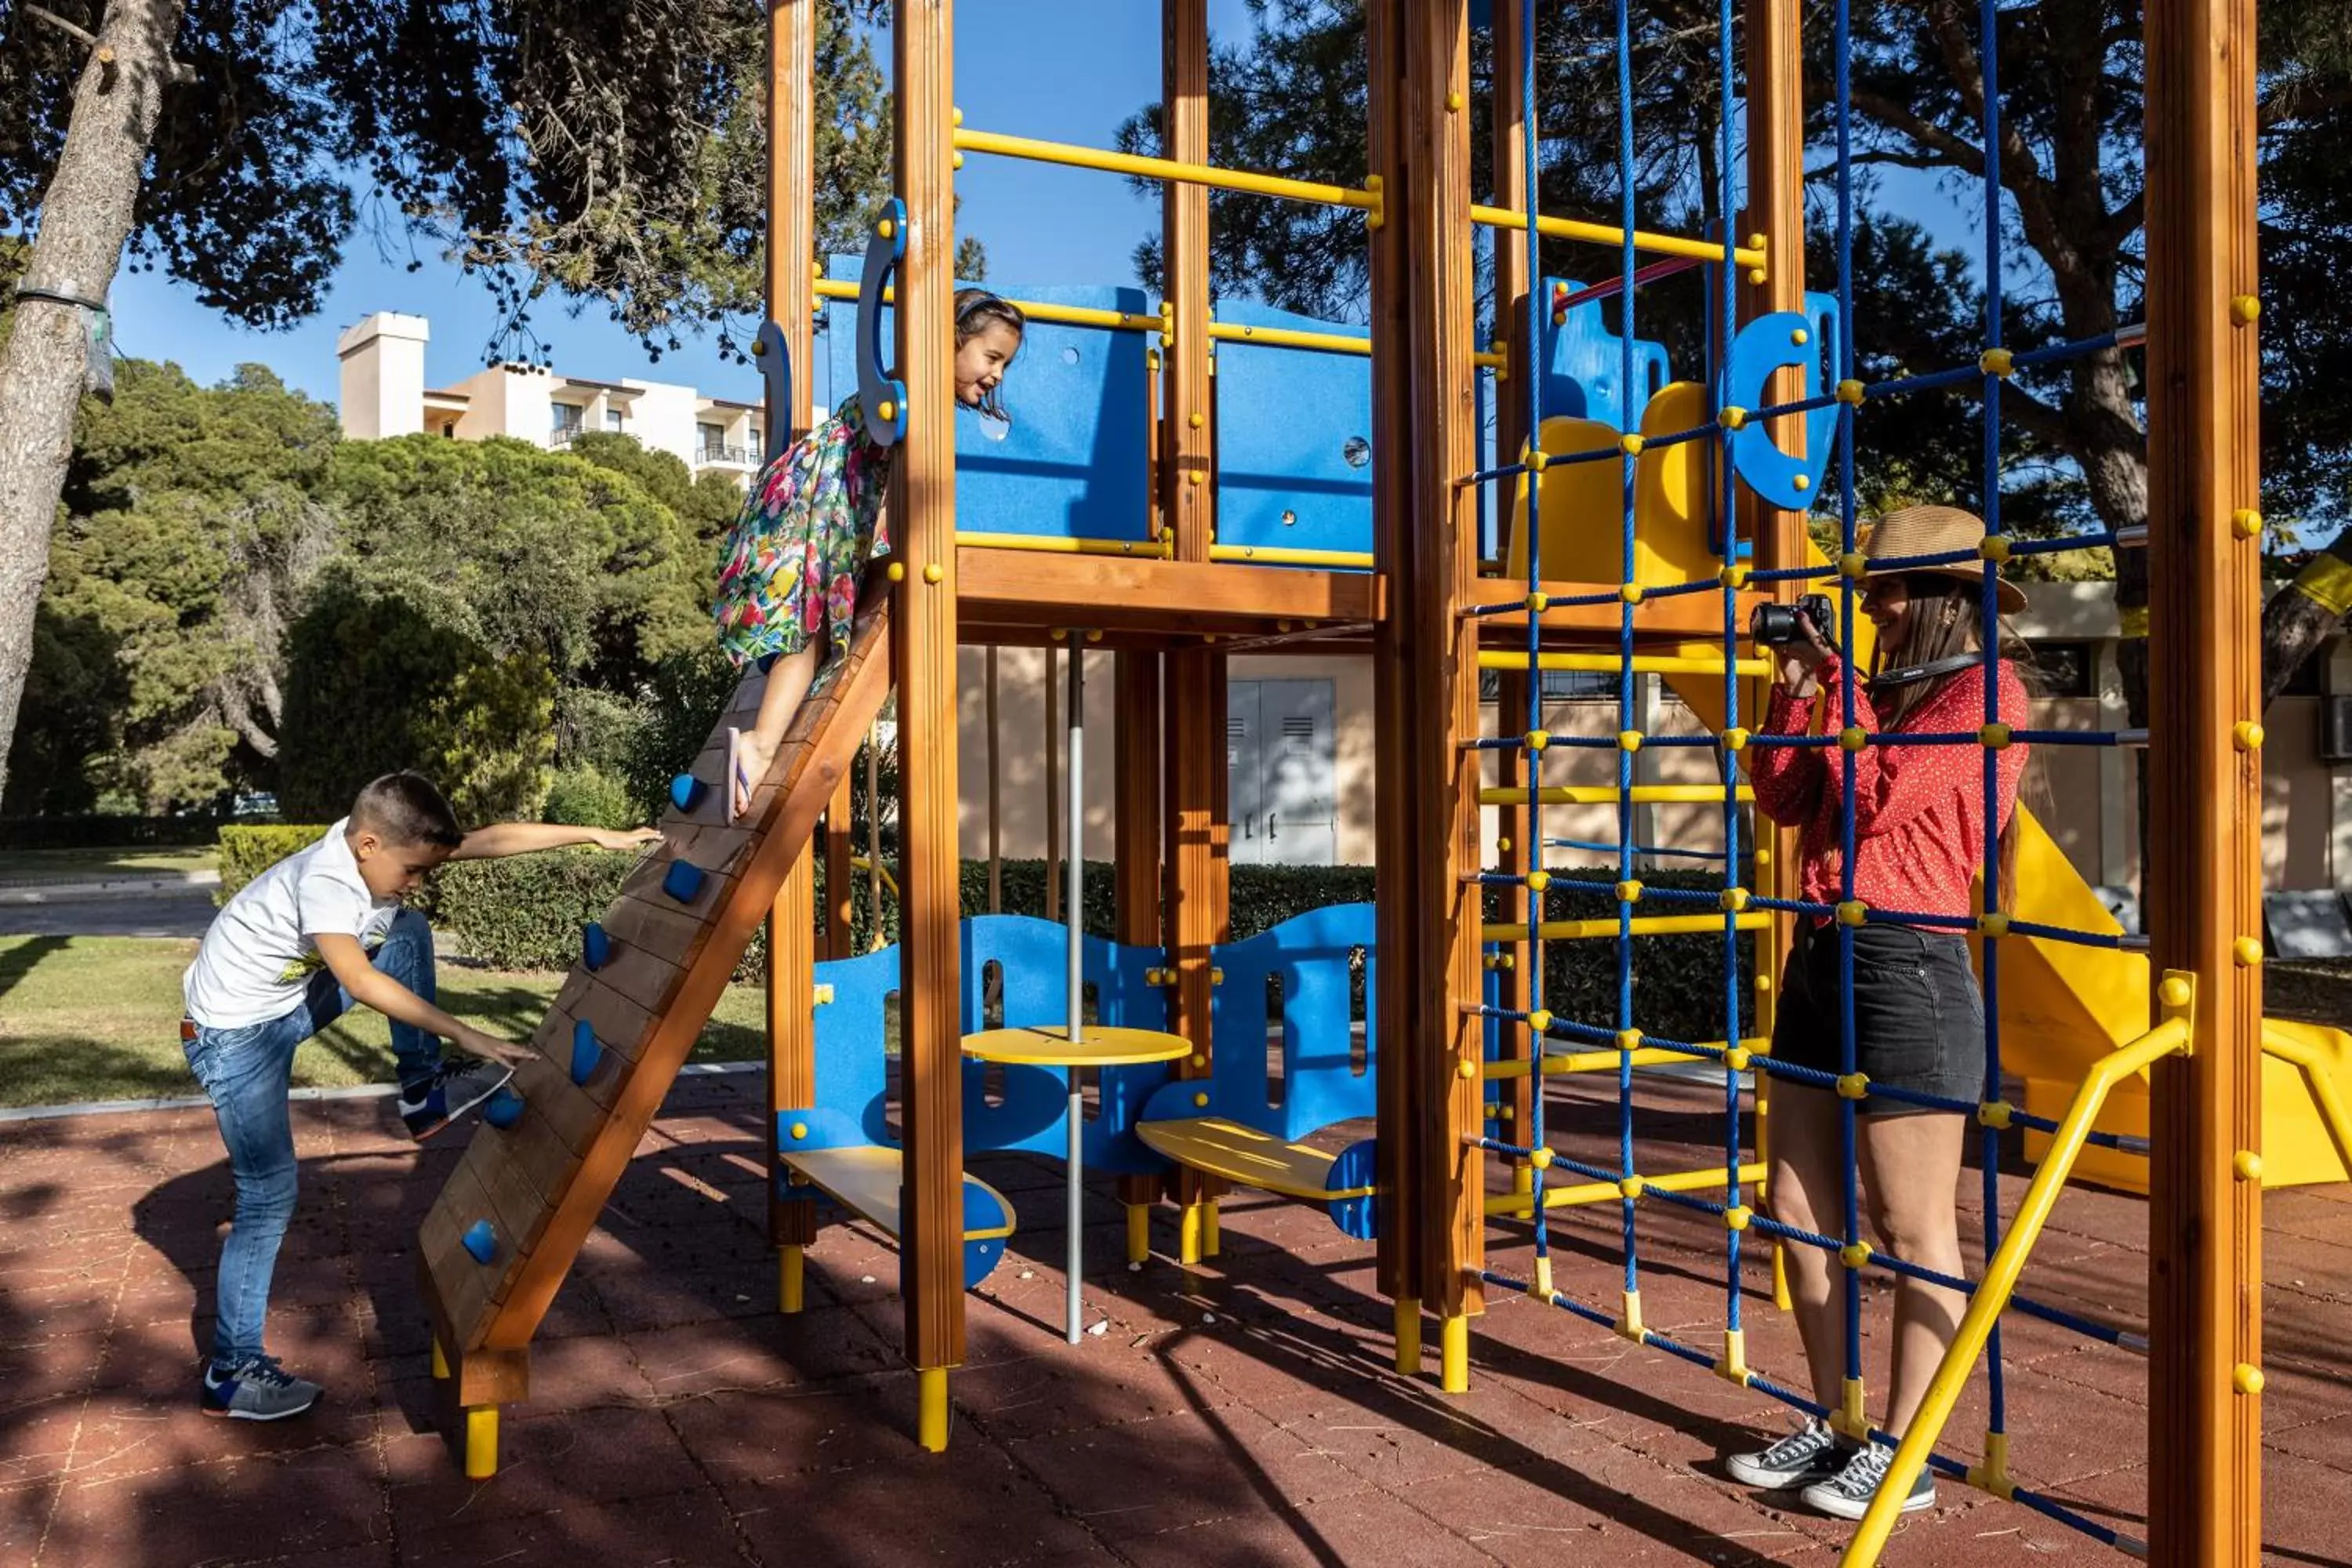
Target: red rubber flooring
1245	1416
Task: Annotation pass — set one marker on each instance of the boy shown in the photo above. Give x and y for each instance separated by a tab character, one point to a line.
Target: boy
317	933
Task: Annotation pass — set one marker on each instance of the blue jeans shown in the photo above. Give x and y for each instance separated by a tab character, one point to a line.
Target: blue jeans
248	1073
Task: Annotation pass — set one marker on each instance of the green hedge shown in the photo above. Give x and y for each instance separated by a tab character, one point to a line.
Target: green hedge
106	832
246	852
526	911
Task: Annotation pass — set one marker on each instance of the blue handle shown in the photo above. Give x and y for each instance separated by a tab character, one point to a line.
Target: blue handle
586	1051
595	945
685	792
776	374
504	1110
482	1239
682	881
877	388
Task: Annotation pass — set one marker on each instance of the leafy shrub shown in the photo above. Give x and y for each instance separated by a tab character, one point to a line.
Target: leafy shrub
103	831
525	911
681	703
246	851
589	797
385	671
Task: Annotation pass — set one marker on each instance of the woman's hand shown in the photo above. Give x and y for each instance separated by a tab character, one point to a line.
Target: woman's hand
1800	662
625	838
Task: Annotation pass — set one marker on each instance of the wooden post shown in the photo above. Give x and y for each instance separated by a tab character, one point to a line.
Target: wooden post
1776	196
1197	829
922	522
1397	878
840	894
792	305
1445	1045
1136	873
1522	987
2203	880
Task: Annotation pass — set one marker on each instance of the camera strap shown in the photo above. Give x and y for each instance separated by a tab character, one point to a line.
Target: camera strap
1912	674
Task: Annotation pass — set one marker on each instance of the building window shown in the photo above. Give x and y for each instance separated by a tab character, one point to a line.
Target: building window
756	445
2066	668
708	439
1559	686
613	420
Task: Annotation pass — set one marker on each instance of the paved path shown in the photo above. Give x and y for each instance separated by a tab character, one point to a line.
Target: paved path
1243	1417
181	910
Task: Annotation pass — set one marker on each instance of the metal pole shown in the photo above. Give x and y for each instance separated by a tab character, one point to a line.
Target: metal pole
1075	815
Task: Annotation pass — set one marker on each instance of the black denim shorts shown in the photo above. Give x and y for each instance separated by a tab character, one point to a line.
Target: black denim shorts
1919	1018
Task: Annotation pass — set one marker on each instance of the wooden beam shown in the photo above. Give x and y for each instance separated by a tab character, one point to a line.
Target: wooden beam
1446	1044
1398	877
2204	892
1037	588
922	524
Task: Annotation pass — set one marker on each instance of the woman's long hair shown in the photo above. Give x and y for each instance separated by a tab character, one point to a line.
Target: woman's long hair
1946	616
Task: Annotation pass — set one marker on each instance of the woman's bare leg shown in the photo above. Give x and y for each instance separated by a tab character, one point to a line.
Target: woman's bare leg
788	682
1807	1191
1911	1172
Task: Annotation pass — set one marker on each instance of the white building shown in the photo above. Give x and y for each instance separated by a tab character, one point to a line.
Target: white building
385	395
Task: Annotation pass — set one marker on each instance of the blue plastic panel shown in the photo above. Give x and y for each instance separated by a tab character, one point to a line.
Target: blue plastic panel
1584	363
1294	439
1764	345
1074	463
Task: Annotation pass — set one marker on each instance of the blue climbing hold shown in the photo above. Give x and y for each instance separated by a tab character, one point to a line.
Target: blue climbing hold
595	945
685	792
586	1051
482	1240
504	1110
682	881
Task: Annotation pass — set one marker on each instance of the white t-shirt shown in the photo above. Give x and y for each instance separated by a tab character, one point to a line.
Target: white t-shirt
262	951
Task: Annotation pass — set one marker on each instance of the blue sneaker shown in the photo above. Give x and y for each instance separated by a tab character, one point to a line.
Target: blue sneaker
258	1390
449	1093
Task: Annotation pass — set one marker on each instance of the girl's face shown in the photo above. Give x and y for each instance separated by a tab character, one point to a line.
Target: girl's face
1887	602
981	361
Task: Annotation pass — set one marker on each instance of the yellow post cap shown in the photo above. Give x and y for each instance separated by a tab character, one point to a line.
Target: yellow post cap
2249	1166
896	572
2246	522
2247	950
2246	735
933	573
2175	991
1467	1069
2245	309
1800	338
1801	481
2247	1379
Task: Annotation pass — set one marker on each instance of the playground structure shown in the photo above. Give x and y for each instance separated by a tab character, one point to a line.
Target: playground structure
1139	506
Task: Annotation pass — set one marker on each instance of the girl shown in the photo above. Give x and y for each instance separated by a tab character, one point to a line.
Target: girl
1919	1019
790	573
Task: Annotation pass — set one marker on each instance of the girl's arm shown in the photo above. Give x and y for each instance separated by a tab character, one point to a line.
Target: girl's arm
505	838
1788	779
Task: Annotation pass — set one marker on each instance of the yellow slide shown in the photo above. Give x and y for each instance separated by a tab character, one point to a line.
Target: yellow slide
2063	1005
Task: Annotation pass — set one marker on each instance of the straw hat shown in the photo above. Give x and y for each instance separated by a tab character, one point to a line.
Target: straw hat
1915	531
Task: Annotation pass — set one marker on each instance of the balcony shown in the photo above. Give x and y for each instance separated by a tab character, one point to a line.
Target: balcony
565	435
714	455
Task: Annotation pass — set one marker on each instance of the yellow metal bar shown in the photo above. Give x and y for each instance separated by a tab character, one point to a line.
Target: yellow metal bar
1212	1238
790	1277
931	1396
2315	1078
1408	1335
1604	927
1606	1060
1283	555
1606	794
1188	1235
1610	664
1053	544
1034	309
2170	1037
1605	234
1138	1232
481	1442
1453	1355
1287	338
1073	156
1505	1205
440	1360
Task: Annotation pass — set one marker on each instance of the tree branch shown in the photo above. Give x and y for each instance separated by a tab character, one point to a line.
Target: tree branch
88	40
1956	152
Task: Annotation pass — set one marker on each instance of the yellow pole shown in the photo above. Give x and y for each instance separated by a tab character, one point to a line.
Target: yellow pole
1606	794
1073	156
1453	1355
1138	1232
1605	928
1605	234
1704	1179
931	1397
2170	1037
790	1280
440	1359
1408	1335
481	1442
1610	664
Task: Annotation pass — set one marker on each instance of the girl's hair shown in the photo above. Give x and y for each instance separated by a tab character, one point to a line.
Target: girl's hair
1947	615
976	310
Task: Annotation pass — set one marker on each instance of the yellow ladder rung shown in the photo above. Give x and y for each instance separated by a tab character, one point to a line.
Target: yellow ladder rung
1598	930
1607	794
1610	664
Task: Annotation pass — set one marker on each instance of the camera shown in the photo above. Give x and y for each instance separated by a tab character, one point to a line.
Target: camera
1775	626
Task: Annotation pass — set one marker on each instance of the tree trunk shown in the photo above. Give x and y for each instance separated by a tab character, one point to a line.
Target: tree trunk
85	217
2305	614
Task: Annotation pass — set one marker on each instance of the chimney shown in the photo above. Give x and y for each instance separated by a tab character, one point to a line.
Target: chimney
383	375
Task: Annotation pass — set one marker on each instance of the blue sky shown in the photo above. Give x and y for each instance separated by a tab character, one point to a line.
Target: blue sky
1041	224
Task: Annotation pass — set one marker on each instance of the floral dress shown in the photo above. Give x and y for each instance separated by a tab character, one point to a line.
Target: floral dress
791	566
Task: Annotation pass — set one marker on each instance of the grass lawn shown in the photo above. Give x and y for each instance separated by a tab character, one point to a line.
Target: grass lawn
93	865
85	1019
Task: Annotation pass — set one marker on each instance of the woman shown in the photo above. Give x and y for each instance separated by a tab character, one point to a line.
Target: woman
1919	1019
791	569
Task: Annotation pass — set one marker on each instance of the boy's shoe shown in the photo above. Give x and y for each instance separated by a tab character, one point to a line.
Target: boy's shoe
260	1390
449	1094
1847	1494
1810	1455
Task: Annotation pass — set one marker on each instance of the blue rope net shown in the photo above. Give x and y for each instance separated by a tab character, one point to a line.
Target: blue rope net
1521	997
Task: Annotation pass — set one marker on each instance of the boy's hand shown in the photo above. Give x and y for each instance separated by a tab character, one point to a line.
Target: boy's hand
625	838
506	1053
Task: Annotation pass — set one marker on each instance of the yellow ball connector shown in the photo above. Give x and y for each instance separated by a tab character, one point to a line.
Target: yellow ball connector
1853	738
1996	362
1629	891
1854	566
1852	391
1631	592
1731	417
1734	739
1853	912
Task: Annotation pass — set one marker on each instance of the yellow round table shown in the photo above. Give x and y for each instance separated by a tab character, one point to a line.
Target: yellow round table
1095	1045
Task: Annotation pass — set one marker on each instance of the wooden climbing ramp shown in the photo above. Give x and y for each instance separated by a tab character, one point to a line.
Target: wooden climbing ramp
505	1230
